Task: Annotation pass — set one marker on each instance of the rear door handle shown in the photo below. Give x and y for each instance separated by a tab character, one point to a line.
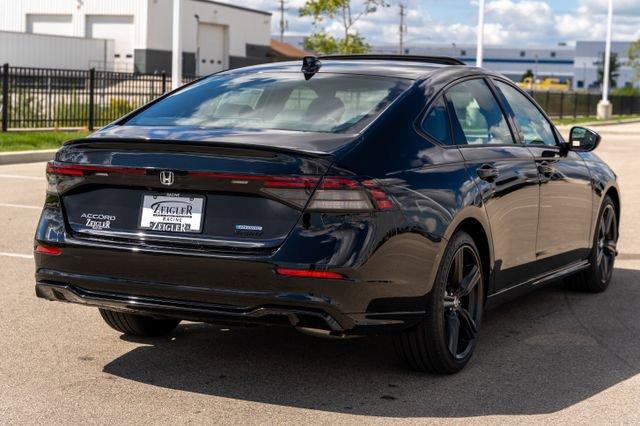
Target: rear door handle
488	172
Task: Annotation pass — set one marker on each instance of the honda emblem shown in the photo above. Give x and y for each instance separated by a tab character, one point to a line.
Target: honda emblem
166	177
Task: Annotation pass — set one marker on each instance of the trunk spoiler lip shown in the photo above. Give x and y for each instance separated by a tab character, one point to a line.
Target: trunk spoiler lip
196	144
104	141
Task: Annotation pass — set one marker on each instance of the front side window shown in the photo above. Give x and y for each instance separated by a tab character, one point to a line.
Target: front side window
478	117
436	122
533	127
334	103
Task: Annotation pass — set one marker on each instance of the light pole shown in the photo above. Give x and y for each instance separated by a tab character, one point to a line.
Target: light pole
197	44
176	54
479	49
605	109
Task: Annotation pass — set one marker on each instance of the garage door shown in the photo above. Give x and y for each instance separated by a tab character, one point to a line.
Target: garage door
118	28
49	24
212	49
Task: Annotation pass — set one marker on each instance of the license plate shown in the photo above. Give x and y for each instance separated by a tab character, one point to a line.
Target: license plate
168	213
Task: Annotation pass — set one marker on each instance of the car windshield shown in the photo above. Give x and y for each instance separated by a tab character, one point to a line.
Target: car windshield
334	103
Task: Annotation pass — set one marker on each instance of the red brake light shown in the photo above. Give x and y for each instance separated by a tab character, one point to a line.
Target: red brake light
305	273
55	168
52	251
332	193
379	196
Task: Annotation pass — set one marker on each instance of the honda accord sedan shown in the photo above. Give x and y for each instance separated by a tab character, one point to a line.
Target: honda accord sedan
341	195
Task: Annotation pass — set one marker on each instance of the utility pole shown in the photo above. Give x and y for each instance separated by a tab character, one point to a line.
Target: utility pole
480	47
283	23
403	28
605	110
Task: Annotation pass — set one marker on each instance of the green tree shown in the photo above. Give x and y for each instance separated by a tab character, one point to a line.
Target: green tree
634	58
614	69
528	74
346	14
627	91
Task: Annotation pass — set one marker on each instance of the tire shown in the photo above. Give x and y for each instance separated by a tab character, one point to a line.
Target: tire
456	300
597	277
138	325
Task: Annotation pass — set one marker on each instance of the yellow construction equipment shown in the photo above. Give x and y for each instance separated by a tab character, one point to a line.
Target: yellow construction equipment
546	84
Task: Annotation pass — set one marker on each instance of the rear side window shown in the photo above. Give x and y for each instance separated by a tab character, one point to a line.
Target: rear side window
477	118
436	123
533	126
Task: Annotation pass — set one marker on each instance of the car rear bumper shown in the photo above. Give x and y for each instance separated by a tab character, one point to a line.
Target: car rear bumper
385	278
212	289
325	320
300	317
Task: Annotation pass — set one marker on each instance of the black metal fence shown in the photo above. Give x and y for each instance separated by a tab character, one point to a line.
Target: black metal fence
580	104
33	98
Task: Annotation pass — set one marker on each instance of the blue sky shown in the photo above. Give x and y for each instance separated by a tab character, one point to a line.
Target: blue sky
508	22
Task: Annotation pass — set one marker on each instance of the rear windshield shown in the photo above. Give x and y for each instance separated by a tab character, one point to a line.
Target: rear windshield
331	103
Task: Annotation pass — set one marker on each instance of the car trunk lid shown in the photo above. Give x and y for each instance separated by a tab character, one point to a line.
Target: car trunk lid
216	195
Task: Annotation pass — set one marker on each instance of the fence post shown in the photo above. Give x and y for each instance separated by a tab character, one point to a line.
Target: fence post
561	104
164	82
588	104
92	89
575	105
546	102
5	97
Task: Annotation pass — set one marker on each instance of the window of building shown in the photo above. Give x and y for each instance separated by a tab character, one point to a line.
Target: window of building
463	53
522	53
553	54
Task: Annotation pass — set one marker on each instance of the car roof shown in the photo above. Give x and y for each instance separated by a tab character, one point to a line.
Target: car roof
412	67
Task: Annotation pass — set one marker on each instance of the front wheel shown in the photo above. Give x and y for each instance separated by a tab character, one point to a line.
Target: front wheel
597	277
445	339
138	325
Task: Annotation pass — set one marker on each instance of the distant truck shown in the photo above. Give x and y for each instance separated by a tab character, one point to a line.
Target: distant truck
546	84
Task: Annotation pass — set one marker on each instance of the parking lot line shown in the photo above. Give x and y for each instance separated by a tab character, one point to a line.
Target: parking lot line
20	206
18	255
6	176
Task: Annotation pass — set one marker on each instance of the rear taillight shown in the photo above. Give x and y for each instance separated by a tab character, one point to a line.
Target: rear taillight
332	194
55	169
83	170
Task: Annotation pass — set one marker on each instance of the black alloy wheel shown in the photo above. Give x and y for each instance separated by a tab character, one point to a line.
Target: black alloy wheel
461	302
606	251
444	341
597	277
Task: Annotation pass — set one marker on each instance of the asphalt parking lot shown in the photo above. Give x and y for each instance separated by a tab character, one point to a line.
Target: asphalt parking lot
553	356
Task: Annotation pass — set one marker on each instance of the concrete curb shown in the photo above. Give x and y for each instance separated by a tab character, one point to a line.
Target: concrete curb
601	123
19	157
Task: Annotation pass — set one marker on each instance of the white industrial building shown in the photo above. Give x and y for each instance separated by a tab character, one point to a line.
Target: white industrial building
215	35
578	63
48	51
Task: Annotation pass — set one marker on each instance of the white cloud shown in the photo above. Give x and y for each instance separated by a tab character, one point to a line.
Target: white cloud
510	22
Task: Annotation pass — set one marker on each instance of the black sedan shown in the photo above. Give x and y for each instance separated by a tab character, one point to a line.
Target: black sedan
343	196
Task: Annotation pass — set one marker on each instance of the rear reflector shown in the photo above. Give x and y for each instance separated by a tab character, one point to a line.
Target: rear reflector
305	273
52	251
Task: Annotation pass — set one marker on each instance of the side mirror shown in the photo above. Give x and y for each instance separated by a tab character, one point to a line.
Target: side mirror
583	139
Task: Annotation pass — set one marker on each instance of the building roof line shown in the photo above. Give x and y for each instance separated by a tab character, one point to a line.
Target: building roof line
233	6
